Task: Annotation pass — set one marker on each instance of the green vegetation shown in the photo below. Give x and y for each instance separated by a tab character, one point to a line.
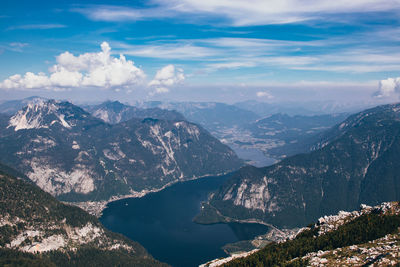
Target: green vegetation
240	246
90	257
11	258
27	207
208	215
25	200
365	228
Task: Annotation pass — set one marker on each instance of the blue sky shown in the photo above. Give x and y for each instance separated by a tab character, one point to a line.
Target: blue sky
275	50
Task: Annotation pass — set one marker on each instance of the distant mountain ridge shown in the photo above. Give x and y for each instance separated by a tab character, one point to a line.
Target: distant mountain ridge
10	107
272	131
115	112
211	115
292	134
356	163
293	108
78	157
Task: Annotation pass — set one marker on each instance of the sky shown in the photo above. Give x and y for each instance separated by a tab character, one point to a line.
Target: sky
208	50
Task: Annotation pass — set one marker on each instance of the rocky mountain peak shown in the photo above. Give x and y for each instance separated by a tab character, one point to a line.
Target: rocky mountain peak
40	113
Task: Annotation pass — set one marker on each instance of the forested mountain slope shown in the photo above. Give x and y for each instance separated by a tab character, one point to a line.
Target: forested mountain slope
33	221
358	162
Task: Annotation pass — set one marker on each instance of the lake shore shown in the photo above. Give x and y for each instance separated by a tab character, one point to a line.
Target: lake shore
96	207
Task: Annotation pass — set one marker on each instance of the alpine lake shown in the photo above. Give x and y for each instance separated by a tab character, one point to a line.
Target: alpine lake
163	223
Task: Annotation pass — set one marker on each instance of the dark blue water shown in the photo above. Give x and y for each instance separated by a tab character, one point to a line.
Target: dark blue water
162	223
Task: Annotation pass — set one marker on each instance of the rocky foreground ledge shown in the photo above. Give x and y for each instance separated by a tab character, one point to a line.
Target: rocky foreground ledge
383	251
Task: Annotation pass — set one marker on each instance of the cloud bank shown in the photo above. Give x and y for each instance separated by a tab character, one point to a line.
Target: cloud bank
86	70
388	88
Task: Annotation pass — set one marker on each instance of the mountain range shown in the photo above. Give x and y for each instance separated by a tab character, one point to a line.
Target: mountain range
293	108
115	150
213	116
355	162
250	135
78	157
242	127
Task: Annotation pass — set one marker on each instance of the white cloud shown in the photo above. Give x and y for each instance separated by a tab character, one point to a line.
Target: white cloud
86	70
216	53
122	13
363	53
388	87
260	12
28	81
18	44
63	77
166	77
37	27
231	65
161	90
171	51
264	94
239	12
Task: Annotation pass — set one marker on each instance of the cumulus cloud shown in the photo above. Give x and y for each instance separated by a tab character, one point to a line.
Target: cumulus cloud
166	77
264	94
28	81
388	87
85	70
